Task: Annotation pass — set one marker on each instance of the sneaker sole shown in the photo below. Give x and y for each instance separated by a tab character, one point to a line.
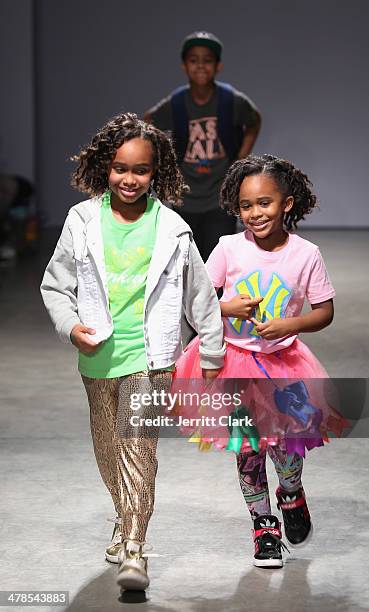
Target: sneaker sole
131	580
111	558
304	542
268	563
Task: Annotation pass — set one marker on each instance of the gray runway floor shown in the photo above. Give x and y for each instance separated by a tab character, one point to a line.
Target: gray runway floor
53	505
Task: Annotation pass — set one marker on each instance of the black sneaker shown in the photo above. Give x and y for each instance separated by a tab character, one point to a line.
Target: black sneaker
268	541
297	523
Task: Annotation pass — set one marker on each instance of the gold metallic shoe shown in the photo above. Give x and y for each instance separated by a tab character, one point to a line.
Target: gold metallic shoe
132	570
111	553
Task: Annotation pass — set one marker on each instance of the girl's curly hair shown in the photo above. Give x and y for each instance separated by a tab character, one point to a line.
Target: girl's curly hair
91	174
290	180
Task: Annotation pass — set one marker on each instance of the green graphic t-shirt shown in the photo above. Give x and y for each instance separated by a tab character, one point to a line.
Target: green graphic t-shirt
128	250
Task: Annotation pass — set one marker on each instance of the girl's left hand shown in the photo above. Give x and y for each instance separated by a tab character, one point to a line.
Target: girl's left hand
210	374
276	328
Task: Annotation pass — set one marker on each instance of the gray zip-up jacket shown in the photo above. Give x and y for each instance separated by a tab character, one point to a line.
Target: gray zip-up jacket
74	287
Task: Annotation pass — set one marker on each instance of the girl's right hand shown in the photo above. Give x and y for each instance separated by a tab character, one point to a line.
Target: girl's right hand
241	307
80	338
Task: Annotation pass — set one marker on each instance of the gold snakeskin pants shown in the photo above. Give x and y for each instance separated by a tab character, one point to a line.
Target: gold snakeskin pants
126	455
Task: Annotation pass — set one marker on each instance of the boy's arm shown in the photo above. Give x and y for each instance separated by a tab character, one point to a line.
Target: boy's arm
59	286
160	115
202	311
148	116
250	137
248	119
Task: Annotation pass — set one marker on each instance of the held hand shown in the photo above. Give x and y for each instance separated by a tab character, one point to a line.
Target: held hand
80	338
276	328
241	306
209	375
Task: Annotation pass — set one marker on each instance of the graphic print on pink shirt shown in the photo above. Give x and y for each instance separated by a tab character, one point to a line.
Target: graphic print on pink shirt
283	278
276	295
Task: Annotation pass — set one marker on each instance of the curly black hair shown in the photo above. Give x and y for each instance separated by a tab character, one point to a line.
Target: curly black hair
290	180
91	174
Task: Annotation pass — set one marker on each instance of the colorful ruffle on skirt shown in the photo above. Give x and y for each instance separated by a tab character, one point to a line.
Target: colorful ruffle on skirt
284	398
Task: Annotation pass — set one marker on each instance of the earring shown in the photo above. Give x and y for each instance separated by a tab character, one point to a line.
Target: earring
152	192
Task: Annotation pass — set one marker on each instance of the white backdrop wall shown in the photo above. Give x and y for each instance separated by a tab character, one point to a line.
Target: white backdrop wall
304	63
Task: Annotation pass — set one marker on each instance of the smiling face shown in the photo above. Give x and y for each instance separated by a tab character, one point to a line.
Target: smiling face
262	207
131	171
201	65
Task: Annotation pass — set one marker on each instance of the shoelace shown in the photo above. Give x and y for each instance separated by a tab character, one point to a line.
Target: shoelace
140	553
277	541
116	537
293	517
117	520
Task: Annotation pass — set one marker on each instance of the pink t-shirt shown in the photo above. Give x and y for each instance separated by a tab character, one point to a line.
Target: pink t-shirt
284	278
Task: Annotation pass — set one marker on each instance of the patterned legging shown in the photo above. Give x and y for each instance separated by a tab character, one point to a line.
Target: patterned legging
253	478
126	455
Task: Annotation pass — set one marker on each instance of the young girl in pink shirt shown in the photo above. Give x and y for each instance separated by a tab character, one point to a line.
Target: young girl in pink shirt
266	272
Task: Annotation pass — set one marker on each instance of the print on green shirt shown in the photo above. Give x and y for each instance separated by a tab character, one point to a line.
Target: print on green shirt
128	249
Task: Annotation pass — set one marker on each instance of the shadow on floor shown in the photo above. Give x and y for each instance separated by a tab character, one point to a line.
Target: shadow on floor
102	595
254	593
338	551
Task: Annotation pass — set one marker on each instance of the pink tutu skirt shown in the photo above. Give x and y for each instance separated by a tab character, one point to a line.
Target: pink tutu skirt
284	398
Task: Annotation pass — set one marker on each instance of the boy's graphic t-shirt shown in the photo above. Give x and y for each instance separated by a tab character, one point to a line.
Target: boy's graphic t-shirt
283	278
128	250
205	163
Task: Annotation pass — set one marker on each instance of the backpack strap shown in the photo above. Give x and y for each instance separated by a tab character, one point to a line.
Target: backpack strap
180	120
225	113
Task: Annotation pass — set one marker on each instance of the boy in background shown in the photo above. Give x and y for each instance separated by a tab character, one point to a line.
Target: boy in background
212	124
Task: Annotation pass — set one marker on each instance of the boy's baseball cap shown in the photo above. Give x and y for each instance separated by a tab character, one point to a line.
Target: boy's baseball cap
202	39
